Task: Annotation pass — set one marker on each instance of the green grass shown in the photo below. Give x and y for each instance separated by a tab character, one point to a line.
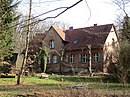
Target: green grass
56	79
54	84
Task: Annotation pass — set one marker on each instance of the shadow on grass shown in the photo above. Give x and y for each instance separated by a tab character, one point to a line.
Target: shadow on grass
49	87
27	88
77	78
94	82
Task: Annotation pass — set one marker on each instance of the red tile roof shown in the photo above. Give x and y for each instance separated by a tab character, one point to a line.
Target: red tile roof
77	38
60	32
94	36
100	28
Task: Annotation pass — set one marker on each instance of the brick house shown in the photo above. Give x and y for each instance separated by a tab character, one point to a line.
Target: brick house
55	40
81	47
95	41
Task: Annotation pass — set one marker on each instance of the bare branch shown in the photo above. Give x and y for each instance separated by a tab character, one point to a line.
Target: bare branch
122	4
89	10
65	9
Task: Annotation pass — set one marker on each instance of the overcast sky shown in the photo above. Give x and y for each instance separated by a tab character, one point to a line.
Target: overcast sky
82	15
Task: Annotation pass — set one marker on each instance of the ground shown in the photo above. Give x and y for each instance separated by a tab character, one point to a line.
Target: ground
62	86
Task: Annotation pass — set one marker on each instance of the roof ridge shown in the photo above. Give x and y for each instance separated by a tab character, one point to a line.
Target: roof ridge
91	26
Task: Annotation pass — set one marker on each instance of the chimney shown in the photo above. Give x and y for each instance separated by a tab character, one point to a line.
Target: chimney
71	28
95	25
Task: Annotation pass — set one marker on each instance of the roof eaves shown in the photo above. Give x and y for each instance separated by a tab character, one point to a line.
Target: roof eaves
60	32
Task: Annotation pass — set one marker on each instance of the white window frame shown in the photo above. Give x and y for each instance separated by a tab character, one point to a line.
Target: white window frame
52	44
84	58
72	58
96	57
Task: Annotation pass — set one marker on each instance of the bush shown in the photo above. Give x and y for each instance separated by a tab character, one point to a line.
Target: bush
5	68
110	78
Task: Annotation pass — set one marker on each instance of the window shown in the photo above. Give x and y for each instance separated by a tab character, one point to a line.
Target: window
96	57
71	58
54	59
51	43
85	58
75	41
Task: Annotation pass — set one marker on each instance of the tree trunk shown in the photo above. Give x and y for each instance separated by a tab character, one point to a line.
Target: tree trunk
27	45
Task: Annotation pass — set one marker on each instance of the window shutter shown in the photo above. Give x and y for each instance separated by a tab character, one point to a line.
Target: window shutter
99	57
88	57
58	59
80	58
67	58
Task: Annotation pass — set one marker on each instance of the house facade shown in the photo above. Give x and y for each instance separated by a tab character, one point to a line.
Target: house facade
82	49
91	47
55	41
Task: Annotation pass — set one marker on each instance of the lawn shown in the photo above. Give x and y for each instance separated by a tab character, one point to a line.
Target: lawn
61	85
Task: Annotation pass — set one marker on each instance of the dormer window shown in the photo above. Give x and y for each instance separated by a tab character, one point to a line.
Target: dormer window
75	41
52	44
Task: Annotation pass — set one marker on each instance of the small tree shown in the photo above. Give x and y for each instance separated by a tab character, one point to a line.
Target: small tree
61	59
43	58
125	33
5	67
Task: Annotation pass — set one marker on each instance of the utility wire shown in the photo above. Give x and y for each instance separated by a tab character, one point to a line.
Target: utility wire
43	2
65	9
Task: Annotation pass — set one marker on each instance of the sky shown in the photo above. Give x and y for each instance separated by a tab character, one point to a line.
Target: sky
82	15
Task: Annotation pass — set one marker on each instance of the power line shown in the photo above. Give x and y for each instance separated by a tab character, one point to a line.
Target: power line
43	2
65	9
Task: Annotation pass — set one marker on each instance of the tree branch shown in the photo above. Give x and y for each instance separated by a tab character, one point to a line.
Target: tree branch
119	5
66	8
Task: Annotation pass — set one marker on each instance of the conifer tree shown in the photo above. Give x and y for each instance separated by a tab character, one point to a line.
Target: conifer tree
7	18
125	34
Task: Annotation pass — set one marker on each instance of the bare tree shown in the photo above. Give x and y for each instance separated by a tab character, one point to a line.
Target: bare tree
27	44
122	64
34	23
